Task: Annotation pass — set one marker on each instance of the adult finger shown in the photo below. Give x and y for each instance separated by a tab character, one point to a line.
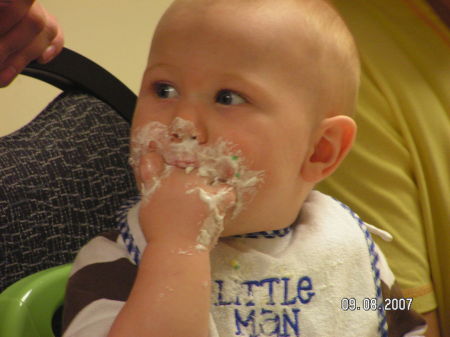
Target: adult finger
11	12
45	46
56	45
17	61
23	33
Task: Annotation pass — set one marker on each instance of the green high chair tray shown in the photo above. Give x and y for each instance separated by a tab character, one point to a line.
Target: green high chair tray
27	307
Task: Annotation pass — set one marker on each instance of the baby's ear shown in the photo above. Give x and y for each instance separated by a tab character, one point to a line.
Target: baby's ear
334	139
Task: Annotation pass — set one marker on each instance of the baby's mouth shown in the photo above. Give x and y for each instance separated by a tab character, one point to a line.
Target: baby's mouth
183	164
214	171
180	159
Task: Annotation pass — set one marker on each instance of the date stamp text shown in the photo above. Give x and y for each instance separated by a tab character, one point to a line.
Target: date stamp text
372	304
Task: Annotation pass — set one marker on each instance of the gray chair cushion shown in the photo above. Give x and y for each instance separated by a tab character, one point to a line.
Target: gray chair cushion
62	178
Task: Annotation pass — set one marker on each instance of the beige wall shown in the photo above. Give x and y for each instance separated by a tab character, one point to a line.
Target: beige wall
115	34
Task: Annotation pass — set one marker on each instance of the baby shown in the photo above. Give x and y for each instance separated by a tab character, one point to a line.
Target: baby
244	106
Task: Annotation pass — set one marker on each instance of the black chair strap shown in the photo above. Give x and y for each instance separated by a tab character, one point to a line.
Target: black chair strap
70	70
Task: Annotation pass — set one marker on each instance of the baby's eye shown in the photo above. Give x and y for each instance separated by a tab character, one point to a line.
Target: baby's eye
164	90
228	97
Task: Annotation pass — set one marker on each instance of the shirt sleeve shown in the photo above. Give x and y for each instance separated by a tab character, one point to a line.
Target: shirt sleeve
402	320
98	286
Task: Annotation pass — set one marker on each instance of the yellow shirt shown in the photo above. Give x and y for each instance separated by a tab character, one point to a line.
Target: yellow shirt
397	175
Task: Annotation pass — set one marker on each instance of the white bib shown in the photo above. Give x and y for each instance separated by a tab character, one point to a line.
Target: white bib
317	279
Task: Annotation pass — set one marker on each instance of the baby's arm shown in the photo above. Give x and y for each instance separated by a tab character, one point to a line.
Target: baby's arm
171	294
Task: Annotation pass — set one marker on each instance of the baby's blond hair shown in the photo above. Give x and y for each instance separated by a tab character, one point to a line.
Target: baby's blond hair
339	62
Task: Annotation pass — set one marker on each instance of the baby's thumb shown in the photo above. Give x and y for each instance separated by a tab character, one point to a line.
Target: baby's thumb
151	166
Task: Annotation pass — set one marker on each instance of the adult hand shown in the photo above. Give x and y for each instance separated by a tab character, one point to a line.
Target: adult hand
27	32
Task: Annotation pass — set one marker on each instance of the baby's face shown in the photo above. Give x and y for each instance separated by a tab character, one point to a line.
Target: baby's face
229	81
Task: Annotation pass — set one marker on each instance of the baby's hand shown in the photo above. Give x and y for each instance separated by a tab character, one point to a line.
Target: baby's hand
177	205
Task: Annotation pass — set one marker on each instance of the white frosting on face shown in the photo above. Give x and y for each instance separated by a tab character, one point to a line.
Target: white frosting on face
213	224
220	163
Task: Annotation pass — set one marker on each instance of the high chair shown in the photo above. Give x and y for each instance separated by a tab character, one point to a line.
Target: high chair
62	178
29	307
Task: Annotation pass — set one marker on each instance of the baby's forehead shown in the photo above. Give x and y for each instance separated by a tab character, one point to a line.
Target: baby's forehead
267	26
266	13
288	26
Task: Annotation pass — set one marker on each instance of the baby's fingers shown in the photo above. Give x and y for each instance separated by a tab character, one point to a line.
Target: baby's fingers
150	166
149	172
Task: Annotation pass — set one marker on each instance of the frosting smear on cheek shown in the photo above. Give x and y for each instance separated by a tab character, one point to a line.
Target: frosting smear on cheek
220	163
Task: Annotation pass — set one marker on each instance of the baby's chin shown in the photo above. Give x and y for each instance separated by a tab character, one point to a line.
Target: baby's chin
248	220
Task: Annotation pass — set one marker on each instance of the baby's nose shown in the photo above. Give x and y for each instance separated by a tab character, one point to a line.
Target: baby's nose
178	138
183	130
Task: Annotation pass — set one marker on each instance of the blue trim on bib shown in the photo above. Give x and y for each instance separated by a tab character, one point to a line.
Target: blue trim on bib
124	229
134	250
279	233
382	321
